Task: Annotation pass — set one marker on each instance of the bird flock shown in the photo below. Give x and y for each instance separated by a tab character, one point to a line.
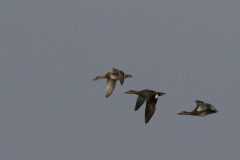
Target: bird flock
150	96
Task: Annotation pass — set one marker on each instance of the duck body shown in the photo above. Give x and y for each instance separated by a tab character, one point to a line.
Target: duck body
151	98
202	109
112	77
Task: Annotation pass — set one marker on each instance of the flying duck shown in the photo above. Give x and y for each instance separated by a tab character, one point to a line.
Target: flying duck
151	98
112	77
202	109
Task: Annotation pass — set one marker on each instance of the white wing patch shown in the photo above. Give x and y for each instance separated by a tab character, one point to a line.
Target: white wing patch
156	96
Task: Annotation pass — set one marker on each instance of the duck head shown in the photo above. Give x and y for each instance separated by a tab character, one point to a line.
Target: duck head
131	92
98	78
183	113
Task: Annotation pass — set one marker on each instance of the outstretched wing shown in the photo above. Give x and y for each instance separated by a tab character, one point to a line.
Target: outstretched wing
150	107
210	107
120	75
198	103
110	87
202	107
205	106
213	107
139	102
149	111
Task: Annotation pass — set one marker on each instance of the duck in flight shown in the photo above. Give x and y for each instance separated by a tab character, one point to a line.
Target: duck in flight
151	98
202	109
112	77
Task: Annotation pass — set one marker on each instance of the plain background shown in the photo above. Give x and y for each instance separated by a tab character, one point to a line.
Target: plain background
52	110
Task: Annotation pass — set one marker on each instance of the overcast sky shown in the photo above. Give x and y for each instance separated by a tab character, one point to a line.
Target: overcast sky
52	110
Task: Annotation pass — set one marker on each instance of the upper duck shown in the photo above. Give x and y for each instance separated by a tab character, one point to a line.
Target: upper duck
202	109
112	77
151	98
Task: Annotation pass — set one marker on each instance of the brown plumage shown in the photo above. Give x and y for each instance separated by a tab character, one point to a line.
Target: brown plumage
202	109
112	77
151	98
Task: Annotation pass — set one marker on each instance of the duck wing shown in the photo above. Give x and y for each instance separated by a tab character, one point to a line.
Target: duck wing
210	107
202	107
120	75
139	102
149	111
198	103
150	107
110	85
213	107
205	106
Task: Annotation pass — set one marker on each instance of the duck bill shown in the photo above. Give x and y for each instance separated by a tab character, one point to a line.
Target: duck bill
95	79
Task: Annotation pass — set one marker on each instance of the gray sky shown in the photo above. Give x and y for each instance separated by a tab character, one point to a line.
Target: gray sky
51	51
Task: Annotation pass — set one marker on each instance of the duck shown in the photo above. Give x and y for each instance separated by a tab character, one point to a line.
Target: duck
112	77
202	109
151	98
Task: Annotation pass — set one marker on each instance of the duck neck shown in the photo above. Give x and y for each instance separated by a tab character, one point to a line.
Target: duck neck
134	92
187	113
102	77
99	77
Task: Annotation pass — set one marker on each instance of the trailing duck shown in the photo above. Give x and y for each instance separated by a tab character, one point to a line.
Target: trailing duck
202	109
